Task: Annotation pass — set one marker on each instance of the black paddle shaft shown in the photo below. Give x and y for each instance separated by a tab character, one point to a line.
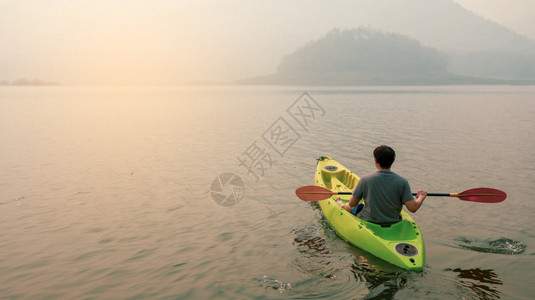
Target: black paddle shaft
414	194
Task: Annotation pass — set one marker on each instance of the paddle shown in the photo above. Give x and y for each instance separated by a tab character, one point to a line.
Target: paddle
485	195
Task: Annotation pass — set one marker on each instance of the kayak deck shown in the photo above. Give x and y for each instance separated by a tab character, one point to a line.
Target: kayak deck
400	244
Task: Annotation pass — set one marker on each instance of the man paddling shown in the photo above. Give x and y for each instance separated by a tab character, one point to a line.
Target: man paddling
384	192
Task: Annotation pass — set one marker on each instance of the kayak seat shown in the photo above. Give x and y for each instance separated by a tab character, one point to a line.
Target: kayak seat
347	179
344	177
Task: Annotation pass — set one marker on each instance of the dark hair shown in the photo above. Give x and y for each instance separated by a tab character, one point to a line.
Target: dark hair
385	156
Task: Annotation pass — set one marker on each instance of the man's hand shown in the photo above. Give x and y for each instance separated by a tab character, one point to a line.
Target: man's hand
415	204
421	193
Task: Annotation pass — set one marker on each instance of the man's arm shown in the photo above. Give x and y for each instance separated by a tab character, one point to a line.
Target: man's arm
415	204
349	205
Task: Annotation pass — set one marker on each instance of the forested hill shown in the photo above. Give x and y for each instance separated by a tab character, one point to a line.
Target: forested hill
365	51
364	56
361	56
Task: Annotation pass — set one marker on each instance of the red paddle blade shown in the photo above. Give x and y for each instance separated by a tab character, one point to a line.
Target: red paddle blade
313	193
486	195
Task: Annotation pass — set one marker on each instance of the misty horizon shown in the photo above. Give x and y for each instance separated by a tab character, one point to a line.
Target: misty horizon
168	43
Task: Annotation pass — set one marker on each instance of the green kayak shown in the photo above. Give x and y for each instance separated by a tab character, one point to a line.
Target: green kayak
400	244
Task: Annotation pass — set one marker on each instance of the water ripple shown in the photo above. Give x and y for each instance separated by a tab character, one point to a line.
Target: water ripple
500	246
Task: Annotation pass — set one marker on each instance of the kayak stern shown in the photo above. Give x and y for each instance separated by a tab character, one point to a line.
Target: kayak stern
400	244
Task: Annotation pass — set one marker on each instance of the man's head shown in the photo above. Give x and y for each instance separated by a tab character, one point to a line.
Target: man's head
384	156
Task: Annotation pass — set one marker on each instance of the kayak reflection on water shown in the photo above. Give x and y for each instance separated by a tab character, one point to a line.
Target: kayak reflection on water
381	284
482	282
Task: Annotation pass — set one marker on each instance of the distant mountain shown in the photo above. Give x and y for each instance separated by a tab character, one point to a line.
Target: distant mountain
493	64
449	27
475	46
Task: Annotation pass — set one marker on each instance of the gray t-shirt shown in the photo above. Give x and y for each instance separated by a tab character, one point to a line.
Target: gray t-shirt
384	193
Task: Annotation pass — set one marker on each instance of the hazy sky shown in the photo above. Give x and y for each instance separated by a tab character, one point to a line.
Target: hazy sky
170	42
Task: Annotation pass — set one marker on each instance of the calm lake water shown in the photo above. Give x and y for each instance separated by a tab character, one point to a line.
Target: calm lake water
114	193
